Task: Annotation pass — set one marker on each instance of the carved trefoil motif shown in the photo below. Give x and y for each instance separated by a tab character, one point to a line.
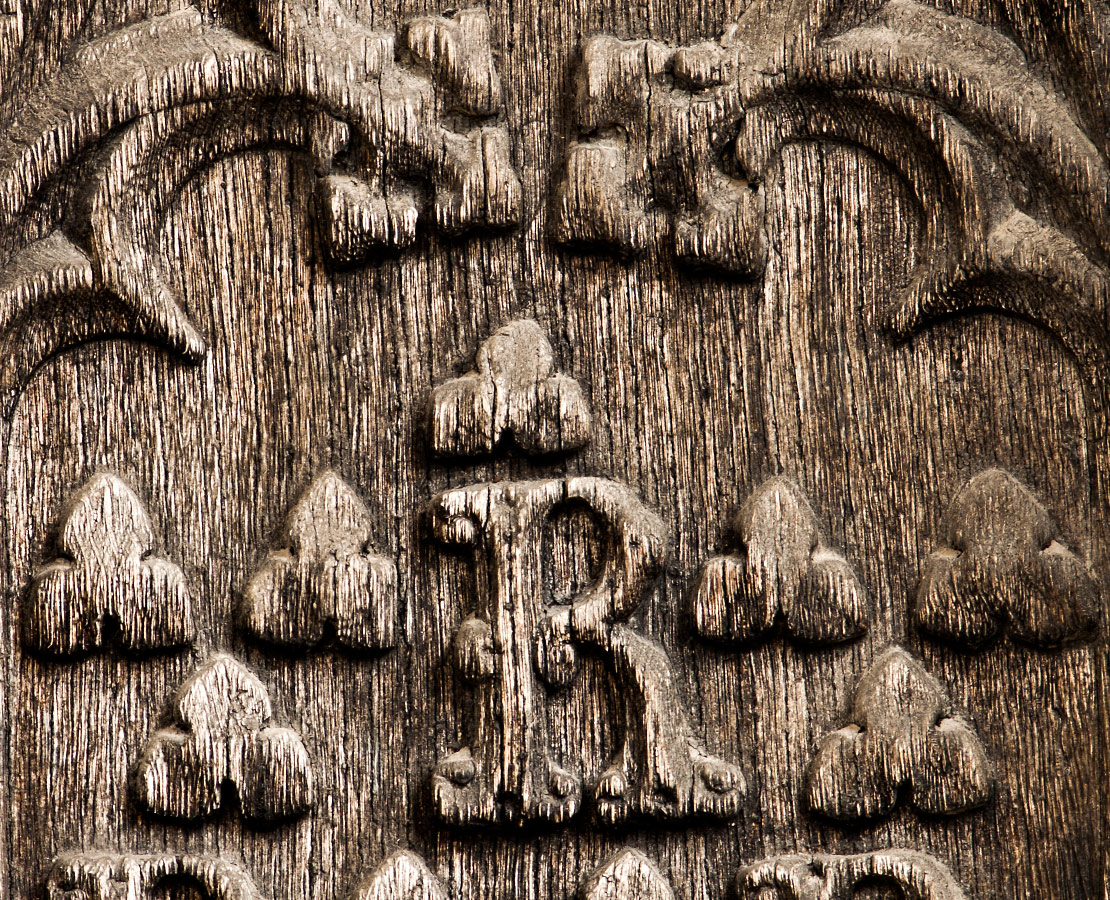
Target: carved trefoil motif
516	637
107	586
325	581
903	734
222	735
782	572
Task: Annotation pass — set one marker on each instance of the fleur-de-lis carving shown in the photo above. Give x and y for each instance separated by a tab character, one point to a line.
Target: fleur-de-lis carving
325	580
903	733
106	586
782	572
222	734
1003	567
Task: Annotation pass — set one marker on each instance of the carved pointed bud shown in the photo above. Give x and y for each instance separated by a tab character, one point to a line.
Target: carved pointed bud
781	572
513	391
629	875
324	581
1003	567
401	876
904	732
106	582
222	733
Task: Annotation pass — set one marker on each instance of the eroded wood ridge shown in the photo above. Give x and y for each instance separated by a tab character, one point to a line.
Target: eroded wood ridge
903	733
913	875
516	633
106	587
781	573
403	875
1003	568
628	875
681	140
133	116
110	876
324	583
221	735
513	393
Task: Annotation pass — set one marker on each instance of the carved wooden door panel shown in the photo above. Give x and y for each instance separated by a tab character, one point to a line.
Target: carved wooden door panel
550	449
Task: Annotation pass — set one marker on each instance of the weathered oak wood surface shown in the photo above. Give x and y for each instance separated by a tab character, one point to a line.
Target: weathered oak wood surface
476	457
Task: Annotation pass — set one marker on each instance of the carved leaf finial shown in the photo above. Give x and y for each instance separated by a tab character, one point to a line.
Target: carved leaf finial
904	733
628	875
513	390
1003	567
99	876
914	875
222	733
782	571
402	876
324	581
106	586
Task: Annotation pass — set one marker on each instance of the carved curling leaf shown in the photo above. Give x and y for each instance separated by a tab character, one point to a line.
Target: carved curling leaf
628	875
911	874
507	773
1003	567
100	876
688	136
904	733
106	587
401	876
782	572
221	734
324	582
513	391
90	160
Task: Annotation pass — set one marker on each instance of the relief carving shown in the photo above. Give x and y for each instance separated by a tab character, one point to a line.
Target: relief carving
221	735
106	587
628	875
109	876
913	875
324	583
782	573
686	137
401	876
516	639
1003	567
903	734
513	392
133	116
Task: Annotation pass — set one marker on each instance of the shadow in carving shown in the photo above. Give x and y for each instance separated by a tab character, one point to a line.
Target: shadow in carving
912	875
106	587
903	734
89	162
516	641
106	876
513	392
1003	567
781	573
324	583
221	737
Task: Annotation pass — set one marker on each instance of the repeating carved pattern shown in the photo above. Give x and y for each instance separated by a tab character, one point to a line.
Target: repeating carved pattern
222	734
629	875
507	774
903	733
108	876
401	876
972	124
324	581
1004	567
163	99
515	392
106	587
783	572
915	876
